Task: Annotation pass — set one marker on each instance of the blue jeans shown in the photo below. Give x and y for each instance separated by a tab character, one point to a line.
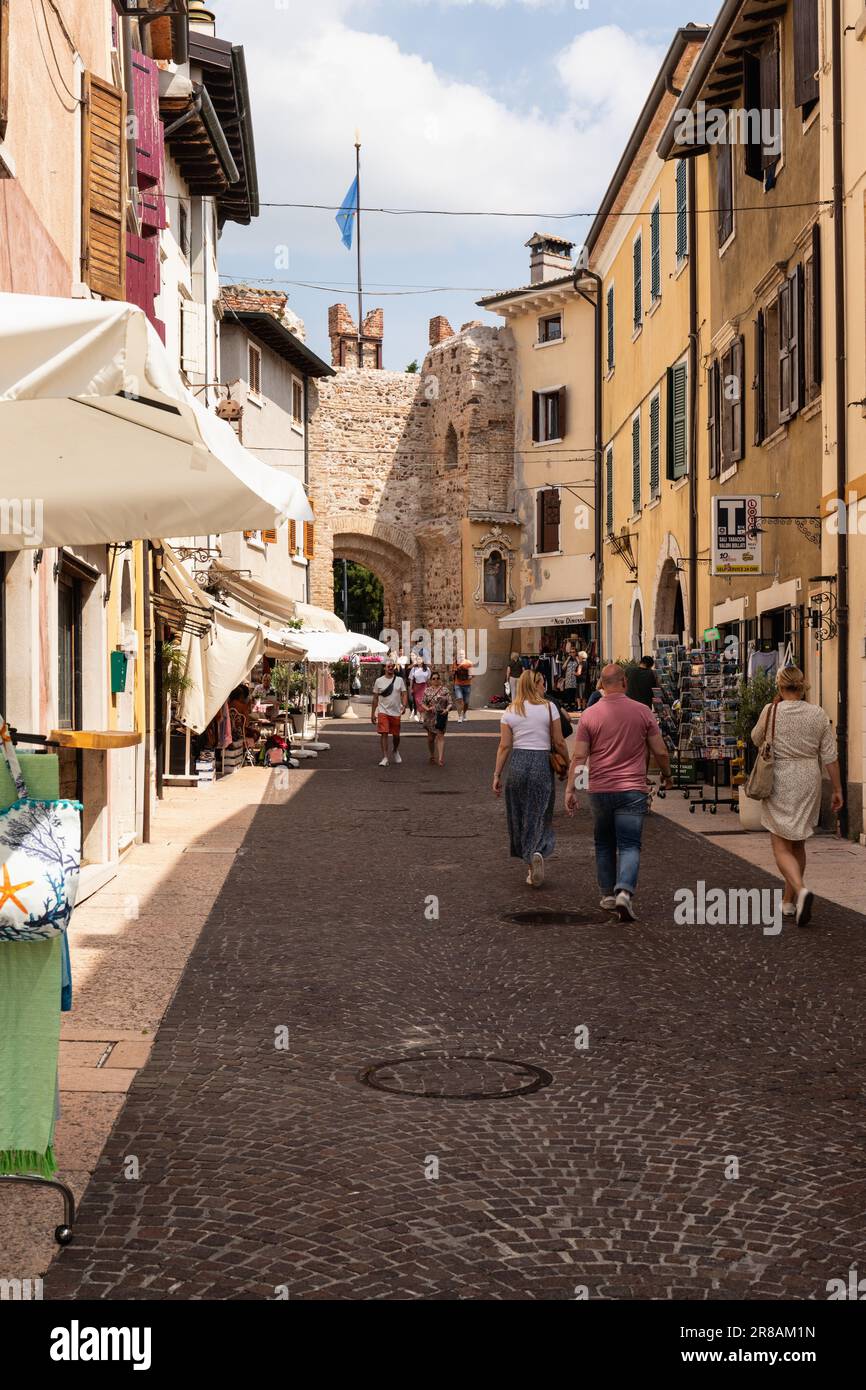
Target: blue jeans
618	818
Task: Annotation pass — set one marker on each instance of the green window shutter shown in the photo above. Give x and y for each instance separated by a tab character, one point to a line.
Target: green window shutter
682	211
608	491
656	253
655	442
678	457
638	281
610	339
635	465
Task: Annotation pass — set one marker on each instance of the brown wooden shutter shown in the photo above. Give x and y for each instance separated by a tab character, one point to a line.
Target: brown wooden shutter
551	507
536	417
293	537
562	424
752	102
309	540
4	67
726	191
713	417
269	537
738	412
784	367
770	90
726	411
760	390
104	188
805	52
817	341
539	522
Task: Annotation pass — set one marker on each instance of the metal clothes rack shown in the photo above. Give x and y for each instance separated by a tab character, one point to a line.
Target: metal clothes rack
63	1233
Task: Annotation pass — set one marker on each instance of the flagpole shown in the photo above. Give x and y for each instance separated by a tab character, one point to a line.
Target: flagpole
358	233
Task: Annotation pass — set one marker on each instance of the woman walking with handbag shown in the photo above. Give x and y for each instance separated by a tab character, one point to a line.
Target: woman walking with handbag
795	739
531	743
435	707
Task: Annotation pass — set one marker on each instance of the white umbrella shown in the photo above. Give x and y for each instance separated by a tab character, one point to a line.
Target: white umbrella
102	441
334	646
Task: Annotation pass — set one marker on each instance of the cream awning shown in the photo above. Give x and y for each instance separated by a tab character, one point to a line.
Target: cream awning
558	614
101	441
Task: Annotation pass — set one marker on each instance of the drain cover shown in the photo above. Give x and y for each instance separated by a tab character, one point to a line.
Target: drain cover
552	917
455	1076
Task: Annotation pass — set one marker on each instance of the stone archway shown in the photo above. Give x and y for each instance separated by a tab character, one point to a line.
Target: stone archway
389	552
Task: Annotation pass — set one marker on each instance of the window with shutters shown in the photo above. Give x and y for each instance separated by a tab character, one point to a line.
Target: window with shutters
637	258
103	240
725	189
547	516
309	540
682	190
293	537
548	415
678	421
656	252
655	409
610	328
790	354
806	57
635	465
608	491
4	67
729	407
767	368
254	369
762	88
297	404
269	537
191	337
183	229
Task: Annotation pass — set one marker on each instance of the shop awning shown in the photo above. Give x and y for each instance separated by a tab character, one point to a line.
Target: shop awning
315	619
101	440
333	646
558	614
217	658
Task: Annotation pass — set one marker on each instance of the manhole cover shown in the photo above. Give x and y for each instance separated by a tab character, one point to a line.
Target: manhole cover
455	1076
552	917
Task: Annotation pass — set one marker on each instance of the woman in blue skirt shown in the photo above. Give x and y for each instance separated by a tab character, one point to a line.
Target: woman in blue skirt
530	729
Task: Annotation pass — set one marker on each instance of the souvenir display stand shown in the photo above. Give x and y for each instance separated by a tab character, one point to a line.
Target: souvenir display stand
709	705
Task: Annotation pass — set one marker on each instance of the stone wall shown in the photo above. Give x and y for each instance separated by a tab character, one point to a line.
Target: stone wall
399	460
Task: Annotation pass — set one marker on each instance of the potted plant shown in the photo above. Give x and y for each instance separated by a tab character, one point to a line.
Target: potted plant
341	698
291	686
754	694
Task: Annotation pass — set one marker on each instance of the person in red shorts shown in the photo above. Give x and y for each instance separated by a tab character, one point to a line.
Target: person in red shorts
390	699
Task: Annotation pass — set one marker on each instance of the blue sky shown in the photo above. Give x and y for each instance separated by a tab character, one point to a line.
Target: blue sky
505	105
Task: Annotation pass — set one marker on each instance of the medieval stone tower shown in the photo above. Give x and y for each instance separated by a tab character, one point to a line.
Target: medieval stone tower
412	476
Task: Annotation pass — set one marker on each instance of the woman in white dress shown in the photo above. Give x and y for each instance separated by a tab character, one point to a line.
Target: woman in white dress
803	741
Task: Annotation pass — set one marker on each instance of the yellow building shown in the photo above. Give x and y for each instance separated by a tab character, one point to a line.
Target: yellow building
843	557
552	323
642	244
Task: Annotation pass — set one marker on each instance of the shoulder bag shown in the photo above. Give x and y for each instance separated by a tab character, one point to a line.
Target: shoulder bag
40	858
558	761
762	776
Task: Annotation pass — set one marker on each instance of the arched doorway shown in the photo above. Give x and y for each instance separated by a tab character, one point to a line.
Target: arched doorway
670	612
637	639
391	556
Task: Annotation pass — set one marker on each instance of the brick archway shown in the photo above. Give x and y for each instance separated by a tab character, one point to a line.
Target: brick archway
389	552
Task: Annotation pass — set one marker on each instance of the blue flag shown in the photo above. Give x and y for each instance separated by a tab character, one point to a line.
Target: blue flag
346	216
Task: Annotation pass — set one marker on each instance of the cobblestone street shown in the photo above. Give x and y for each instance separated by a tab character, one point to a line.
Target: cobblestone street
711	1051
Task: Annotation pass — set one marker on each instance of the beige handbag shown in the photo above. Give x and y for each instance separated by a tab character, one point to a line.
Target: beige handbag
760	784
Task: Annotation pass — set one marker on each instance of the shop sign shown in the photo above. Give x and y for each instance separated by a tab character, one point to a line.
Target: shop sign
736	539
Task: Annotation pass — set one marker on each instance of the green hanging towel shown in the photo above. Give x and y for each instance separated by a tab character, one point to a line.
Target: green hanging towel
30	984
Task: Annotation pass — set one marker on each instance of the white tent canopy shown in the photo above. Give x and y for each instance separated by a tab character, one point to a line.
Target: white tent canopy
101	440
334	646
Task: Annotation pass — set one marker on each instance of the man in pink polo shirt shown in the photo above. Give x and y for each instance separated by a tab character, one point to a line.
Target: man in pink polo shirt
615	736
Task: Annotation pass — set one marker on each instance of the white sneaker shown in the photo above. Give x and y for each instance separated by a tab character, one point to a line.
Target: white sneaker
536	872
623	905
789	909
397	758
608	902
384	762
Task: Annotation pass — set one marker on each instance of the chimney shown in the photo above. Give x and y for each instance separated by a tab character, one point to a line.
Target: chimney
343	332
201	18
550	257
440	330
